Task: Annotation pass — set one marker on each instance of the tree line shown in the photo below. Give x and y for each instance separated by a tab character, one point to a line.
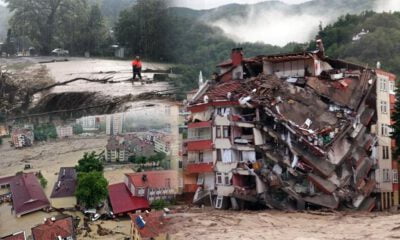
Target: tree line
48	24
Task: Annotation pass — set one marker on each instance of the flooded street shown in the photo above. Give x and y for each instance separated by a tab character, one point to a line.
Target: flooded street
119	70
48	158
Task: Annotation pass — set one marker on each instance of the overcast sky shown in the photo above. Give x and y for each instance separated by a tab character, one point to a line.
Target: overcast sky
206	4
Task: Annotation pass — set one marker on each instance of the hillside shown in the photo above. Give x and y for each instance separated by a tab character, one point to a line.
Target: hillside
381	43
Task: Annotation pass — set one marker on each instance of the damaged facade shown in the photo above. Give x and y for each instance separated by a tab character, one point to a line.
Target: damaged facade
292	131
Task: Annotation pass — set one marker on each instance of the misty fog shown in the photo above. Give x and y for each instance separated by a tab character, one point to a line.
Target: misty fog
277	27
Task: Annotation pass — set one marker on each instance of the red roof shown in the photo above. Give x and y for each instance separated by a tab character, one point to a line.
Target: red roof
199	168
50	230
15	236
154	179
155	224
199	145
27	194
122	200
220	92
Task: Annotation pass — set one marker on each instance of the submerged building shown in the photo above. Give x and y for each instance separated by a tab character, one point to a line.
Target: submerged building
292	131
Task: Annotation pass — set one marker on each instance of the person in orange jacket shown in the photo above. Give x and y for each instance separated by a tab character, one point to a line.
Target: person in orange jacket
137	68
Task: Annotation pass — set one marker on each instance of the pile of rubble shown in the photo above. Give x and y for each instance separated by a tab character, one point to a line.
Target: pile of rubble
313	121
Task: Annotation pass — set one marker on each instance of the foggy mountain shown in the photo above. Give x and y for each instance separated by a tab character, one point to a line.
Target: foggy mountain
277	23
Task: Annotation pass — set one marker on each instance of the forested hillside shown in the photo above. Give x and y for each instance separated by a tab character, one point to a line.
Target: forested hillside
381	43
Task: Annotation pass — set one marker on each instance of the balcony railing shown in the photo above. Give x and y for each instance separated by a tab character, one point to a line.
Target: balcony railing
199	137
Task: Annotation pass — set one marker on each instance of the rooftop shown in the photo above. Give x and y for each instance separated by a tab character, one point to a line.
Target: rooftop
155	224
66	183
122	200
15	236
50	230
27	194
154	179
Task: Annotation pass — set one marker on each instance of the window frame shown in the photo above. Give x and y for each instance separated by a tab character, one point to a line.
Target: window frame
201	157
226	179
219	178
384	107
228	132
218	132
385	152
219	155
139	190
386	175
219	202
395	174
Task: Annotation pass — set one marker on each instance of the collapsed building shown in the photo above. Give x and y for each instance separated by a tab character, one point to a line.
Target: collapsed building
292	131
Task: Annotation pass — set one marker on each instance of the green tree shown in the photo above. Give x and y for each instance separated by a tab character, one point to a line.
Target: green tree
142	160
9	46
132	159
143	28
159	204
43	132
91	189
43	180
396	124
90	162
96	30
50	24
77	129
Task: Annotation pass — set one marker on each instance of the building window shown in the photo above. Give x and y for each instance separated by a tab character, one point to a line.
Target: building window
384	107
395	176
386	130
140	191
200	180
223	179
392	88
226	178
227	132
386	175
385	152
201	157
383	85
180	164
218	129
219	201
219	155
219	178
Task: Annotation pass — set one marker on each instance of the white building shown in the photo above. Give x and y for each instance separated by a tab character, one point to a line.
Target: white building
64	131
114	124
88	123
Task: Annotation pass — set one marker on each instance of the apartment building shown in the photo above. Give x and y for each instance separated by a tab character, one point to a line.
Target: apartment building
115	123
292	131
387	174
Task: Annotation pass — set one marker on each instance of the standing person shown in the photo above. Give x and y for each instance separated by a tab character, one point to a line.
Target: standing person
137	68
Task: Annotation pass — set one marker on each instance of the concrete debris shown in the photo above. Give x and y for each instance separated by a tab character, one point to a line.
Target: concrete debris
310	121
